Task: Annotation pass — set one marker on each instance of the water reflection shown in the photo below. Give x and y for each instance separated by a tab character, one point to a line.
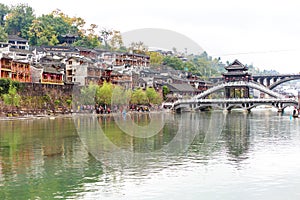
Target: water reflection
109	143
42	159
89	156
236	133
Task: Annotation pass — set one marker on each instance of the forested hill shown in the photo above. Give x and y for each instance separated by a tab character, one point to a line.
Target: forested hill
206	66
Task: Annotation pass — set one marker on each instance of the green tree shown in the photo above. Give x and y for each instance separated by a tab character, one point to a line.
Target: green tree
3	12
104	94
188	66
3	35
138	47
19	19
173	62
165	91
153	96
139	96
105	35
46	29
12	98
88	93
203	65
69	102
6	83
116	41
156	58
89	40
76	24
120	96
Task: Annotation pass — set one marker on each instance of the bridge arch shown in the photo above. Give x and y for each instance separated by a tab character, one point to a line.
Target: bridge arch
232	106
276	105
279	82
206	106
259	104
250	84
181	107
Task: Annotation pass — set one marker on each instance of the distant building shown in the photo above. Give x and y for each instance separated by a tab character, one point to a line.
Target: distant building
182	90
62	51
20	71
18	42
67	38
53	69
14	69
124	62
5	66
81	70
52	74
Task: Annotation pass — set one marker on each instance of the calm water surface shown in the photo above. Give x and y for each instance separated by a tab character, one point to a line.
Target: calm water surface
189	156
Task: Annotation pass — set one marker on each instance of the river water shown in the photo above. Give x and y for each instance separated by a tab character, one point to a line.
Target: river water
207	155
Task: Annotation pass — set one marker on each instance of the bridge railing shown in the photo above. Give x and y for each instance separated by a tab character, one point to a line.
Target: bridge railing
265	89
234	100
209	91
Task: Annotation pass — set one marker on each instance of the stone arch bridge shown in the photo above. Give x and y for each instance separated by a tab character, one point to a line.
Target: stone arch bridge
200	101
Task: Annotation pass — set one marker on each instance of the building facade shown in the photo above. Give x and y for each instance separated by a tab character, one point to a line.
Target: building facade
14	69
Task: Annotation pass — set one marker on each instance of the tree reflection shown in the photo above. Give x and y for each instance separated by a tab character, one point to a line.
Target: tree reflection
43	159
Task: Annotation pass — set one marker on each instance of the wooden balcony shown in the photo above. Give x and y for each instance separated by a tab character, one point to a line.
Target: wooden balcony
58	82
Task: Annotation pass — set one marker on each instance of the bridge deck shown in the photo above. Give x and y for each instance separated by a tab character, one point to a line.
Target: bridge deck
228	104
235	100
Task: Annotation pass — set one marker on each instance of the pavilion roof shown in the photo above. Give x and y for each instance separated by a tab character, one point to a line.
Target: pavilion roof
236	65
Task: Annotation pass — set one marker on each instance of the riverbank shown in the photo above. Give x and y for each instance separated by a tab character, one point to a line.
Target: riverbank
31	113
29	117
52	115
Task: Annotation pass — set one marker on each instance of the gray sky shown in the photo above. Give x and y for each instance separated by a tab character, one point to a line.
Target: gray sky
264	33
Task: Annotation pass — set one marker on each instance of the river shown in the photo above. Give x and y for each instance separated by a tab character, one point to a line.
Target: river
207	155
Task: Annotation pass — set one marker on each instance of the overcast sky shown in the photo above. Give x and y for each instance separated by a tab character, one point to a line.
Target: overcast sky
259	32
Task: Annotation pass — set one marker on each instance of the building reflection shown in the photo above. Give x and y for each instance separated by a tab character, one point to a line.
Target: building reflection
42	153
236	134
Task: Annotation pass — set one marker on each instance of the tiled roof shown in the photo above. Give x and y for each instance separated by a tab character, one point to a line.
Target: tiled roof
59	49
236	65
20	50
69	35
16	38
184	87
51	69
